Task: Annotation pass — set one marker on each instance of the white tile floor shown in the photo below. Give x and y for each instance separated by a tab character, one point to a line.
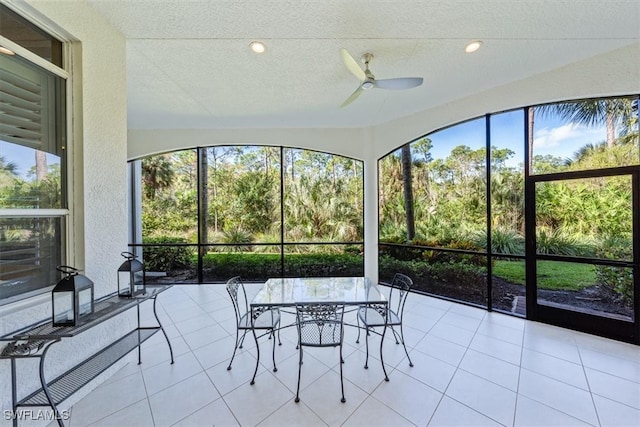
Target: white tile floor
472	368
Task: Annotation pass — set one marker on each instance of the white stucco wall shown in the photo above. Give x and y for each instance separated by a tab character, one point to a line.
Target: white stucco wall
100	154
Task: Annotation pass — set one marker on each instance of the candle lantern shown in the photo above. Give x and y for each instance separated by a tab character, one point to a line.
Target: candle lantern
131	277
71	298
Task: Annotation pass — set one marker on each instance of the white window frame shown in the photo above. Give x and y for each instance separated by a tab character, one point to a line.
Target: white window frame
73	162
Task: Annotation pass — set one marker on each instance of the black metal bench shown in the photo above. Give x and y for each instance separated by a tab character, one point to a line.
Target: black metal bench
34	341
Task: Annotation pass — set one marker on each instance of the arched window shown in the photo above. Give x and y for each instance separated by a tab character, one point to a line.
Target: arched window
532	212
211	213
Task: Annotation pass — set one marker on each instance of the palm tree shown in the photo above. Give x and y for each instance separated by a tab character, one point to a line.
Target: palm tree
204	207
530	120
157	174
8	174
609	112
7	166
408	191
41	165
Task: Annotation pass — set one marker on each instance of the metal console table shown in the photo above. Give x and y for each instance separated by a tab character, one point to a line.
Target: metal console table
34	341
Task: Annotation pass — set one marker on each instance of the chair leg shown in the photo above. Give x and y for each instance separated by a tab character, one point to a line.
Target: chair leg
279	341
273	352
404	345
384	331
242	340
395	333
366	340
341	380
255	337
235	347
358	323
299	373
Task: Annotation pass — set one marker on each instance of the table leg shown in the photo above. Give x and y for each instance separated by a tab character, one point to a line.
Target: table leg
45	388
14	392
166	337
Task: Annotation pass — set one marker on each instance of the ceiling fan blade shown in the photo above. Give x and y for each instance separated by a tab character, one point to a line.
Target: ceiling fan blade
399	83
352	65
352	97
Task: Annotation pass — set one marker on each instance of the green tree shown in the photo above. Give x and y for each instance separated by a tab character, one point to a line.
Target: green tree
157	174
253	203
407	185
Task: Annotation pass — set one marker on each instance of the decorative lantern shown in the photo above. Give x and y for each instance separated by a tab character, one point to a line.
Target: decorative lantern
131	277
72	297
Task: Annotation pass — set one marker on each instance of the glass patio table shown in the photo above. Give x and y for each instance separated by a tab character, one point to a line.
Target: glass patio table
287	292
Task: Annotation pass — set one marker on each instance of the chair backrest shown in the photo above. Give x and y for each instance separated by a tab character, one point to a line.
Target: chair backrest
234	287
320	324
400	285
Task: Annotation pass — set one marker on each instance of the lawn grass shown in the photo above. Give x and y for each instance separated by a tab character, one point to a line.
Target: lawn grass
552	275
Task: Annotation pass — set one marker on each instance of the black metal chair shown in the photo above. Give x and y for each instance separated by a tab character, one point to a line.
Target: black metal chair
386	316
320	324
258	319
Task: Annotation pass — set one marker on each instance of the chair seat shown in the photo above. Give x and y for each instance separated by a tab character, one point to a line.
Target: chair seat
320	334
371	317
267	320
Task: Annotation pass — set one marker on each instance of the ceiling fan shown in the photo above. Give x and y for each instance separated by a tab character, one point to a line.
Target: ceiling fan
368	80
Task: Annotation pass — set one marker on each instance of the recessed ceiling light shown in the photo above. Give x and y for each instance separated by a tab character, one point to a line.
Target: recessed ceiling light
6	51
473	46
257	47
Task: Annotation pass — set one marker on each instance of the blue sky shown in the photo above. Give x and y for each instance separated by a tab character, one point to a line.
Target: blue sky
23	157
552	136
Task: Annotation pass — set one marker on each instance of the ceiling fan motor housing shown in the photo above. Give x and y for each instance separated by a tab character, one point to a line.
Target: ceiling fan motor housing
367	84
366	58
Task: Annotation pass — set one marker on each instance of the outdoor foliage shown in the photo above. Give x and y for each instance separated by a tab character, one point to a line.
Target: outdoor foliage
242	206
574	217
561	242
426	275
618	280
506	242
41	188
252	266
166	258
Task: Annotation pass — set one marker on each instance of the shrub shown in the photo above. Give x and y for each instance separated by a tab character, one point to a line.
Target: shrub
166	258
619	280
406	253
561	242
389	265
502	242
237	235
459	273
252	266
314	265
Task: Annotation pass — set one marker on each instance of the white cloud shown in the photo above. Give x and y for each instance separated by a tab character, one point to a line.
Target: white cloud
570	136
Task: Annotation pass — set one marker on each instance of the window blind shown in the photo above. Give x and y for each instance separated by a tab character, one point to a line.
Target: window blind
22	109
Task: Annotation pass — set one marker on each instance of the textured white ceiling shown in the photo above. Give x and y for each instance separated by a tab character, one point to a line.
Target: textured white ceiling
189	65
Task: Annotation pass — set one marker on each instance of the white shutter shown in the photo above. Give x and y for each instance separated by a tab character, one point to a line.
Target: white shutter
21	106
